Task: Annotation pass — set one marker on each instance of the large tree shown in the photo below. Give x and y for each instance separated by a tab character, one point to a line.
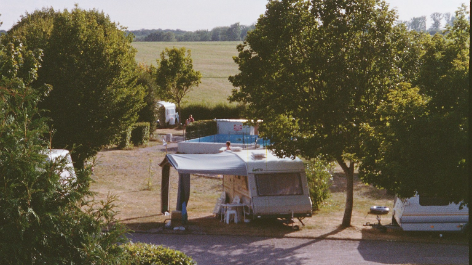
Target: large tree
314	72
89	62
43	221
419	143
175	75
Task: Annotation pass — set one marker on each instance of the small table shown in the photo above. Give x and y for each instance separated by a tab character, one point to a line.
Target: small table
225	206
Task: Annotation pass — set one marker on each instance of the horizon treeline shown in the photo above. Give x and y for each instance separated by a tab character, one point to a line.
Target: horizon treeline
235	32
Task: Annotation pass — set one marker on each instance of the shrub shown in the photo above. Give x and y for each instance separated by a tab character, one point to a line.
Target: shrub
125	139
143	254
149	111
318	176
198	129
140	133
208	112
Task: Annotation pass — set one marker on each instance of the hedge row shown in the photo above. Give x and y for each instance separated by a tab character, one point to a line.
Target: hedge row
199	129
147	254
206	112
137	134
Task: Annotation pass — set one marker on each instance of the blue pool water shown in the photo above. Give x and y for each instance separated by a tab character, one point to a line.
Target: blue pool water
233	138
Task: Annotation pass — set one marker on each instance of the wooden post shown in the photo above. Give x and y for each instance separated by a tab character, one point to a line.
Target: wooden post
165	188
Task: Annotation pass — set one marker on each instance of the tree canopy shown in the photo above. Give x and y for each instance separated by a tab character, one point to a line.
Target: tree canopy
90	64
175	75
419	143
314	72
42	220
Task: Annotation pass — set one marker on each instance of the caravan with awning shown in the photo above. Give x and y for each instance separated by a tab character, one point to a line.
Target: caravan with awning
267	186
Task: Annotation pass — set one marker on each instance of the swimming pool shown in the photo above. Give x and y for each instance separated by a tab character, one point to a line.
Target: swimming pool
233	138
212	143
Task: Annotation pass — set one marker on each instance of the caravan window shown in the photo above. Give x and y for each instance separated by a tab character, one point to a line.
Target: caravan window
279	184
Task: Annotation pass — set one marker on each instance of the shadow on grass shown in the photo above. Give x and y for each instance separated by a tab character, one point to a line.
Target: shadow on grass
211	225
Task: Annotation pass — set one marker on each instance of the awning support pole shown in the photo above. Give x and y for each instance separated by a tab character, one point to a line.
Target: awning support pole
165	188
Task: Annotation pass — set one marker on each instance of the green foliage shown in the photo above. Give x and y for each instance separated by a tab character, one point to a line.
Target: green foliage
231	33
149	112
147	254
175	75
43	220
124	141
140	133
314	71
136	134
219	111
198	129
318	176
419	143
89	62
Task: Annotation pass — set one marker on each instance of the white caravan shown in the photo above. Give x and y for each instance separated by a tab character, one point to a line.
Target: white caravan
264	184
422	213
169	112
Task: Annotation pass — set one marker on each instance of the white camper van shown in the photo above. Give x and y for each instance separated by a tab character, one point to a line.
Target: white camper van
263	184
170	113
422	213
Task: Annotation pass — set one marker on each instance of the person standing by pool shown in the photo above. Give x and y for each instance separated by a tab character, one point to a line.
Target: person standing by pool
190	119
228	145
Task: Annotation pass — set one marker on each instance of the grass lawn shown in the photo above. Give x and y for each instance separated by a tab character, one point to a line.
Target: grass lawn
213	59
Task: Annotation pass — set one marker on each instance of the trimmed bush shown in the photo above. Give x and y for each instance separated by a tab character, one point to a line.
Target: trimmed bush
125	139
137	134
140	133
318	176
144	254
206	112
198	129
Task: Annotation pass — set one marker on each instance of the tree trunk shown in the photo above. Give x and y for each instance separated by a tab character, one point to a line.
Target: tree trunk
349	172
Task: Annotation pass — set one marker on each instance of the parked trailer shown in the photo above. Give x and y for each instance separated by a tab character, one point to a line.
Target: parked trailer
422	213
169	115
267	186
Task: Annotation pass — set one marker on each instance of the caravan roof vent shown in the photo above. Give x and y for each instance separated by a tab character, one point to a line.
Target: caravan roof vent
257	156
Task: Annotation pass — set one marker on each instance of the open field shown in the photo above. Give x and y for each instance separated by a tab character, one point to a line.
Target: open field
213	59
134	177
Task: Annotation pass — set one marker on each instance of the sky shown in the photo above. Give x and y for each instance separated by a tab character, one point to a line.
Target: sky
191	15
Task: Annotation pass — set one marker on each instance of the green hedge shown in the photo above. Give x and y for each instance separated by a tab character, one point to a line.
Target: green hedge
137	134
140	133
125	139
198	129
206	112
144	254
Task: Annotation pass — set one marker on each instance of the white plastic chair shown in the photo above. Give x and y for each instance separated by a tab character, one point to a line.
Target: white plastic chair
236	199
230	211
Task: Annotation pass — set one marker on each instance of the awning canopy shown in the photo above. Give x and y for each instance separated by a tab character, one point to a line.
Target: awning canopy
225	163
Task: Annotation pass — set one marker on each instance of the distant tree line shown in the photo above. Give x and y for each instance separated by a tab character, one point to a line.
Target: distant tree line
235	32
440	21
